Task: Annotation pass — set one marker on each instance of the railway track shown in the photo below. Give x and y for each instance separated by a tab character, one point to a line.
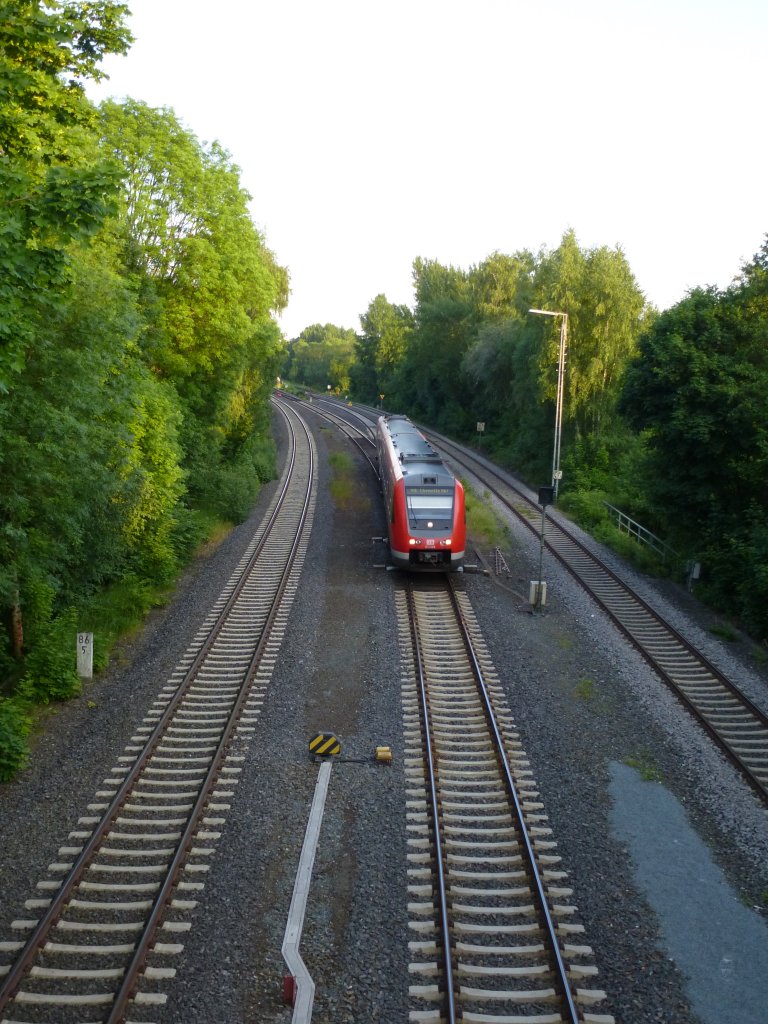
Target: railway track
733	721
736	724
494	935
113	910
354	426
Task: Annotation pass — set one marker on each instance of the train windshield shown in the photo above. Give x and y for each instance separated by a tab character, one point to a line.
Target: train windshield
430	509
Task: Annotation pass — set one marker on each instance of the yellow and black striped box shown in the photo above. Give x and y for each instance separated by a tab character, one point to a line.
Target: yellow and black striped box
324	744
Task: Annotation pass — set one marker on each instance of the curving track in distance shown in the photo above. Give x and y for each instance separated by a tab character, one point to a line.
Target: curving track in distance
362	436
494	934
116	904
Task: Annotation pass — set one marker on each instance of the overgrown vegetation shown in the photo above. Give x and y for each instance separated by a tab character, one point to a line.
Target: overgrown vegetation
484	524
645	766
587	508
725	632
584	689
138	347
15	726
342	486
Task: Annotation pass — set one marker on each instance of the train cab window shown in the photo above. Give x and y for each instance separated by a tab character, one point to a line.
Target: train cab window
430	508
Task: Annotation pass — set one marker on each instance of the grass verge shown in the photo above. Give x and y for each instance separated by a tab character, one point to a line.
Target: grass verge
483	521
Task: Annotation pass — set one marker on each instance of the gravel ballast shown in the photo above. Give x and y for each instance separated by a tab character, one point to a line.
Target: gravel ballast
583	701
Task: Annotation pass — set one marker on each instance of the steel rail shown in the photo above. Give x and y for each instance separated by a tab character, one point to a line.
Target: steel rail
533	869
128	987
445	928
20	967
558	533
347	427
455	622
368	418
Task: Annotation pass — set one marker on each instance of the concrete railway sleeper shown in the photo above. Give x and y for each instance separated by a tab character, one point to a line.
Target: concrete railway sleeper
732	720
116	905
494	935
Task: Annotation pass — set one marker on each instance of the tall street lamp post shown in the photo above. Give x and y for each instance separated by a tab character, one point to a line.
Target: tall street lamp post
556	472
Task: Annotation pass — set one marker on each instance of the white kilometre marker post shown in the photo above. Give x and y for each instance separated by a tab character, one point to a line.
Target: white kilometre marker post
85	655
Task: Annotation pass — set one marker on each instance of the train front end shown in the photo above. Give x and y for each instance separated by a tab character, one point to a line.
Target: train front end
425	503
434	531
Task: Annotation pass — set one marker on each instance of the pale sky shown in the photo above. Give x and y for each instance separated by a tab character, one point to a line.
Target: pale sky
369	133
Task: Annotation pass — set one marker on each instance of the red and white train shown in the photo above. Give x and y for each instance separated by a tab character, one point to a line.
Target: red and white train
424	501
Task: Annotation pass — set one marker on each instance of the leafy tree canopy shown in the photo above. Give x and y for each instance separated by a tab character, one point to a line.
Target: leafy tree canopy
193	248
606	312
699	386
55	187
323	354
387	328
47	51
698	389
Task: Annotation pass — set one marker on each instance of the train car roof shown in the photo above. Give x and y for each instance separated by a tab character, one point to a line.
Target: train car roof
415	453
408	441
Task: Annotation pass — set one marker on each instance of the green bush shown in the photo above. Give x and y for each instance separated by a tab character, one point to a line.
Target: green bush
264	455
230	489
51	665
233	491
483	521
15	725
640	555
8	667
735	557
586	508
116	612
193	528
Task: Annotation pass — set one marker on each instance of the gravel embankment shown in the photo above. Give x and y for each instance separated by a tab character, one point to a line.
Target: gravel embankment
582	699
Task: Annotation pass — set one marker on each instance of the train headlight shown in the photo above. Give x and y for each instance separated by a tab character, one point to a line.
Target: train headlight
412	541
430	525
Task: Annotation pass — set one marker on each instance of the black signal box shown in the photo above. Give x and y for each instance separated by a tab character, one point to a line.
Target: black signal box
546	495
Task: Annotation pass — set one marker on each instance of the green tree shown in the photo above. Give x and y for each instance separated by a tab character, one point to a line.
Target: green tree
363	378
428	382
89	456
698	389
208	284
699	386
323	354
55	188
386	334
501	285
48	50
606	311
138	344
189	231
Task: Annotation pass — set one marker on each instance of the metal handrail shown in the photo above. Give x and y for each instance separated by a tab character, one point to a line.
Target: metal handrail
634	529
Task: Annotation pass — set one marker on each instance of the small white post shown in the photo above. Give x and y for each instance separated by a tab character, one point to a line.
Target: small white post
85	655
